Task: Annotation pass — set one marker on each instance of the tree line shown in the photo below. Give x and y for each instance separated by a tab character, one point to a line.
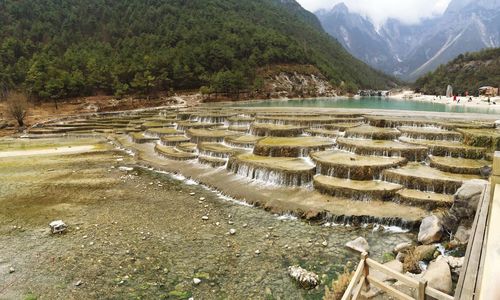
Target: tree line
58	49
466	73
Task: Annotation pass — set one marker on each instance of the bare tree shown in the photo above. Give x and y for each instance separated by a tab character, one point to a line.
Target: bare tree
17	107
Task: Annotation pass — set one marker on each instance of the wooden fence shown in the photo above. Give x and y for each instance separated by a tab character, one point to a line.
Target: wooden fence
362	281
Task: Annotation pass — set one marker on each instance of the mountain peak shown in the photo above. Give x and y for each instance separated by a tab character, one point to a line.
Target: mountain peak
340	8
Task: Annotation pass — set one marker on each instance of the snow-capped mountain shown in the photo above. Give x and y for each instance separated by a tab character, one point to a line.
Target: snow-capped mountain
409	51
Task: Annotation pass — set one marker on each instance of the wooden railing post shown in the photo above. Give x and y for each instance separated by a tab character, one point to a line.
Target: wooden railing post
422	285
366	271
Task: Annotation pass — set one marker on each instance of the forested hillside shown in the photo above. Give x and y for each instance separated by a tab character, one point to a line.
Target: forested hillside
467	72
57	49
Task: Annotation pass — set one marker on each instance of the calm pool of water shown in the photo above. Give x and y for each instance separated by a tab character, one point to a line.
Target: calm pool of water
372	103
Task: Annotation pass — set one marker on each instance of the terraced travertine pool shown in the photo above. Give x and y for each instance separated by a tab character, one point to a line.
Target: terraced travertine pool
278	157
325	165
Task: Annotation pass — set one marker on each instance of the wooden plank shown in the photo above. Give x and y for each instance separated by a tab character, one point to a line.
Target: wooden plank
354	280
422	284
359	287
388	289
437	294
465	267
489	287
474	257
413	283
485	246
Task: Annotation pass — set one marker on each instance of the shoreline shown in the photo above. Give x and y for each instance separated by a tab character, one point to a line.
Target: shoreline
462	101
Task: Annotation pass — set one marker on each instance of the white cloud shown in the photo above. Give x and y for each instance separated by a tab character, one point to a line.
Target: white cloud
408	11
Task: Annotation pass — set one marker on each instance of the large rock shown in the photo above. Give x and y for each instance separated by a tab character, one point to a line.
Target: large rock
455	263
424	252
471	191
438	276
462	235
465	203
430	230
359	244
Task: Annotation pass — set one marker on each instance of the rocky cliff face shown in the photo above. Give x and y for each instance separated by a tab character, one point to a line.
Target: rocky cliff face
409	51
297	85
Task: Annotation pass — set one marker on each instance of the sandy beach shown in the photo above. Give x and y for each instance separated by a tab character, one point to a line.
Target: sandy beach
469	101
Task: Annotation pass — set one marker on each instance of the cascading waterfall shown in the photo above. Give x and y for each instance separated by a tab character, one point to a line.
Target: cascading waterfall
269	176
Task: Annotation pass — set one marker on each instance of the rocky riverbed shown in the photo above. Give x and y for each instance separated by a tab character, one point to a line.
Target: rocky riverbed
137	233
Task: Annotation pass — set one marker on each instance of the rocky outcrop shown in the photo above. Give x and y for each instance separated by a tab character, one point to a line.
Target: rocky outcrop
359	244
296	82
430	230
464	206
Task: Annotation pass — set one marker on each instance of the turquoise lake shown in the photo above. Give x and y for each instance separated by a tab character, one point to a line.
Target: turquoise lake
371	103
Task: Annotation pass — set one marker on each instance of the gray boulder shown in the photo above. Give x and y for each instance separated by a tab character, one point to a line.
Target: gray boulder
462	235
438	276
359	244
465	204
430	230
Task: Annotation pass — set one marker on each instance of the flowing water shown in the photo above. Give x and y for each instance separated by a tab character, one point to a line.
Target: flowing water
371	103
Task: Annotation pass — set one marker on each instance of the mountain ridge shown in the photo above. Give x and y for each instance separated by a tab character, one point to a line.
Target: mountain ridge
410	51
466	73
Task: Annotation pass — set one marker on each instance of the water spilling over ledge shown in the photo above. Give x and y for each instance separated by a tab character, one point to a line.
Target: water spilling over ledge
383	148
344	167
352	166
291	147
285	171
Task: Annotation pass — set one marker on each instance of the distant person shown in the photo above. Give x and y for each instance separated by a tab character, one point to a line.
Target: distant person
470	99
454	97
489	101
458	100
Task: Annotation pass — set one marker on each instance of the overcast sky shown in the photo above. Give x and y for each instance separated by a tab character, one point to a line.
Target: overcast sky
408	11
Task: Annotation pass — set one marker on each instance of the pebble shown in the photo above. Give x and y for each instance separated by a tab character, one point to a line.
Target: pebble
12	270
232	231
192	194
202	198
78	283
257	252
245	225
230	222
325	243
204	218
217	223
196	280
